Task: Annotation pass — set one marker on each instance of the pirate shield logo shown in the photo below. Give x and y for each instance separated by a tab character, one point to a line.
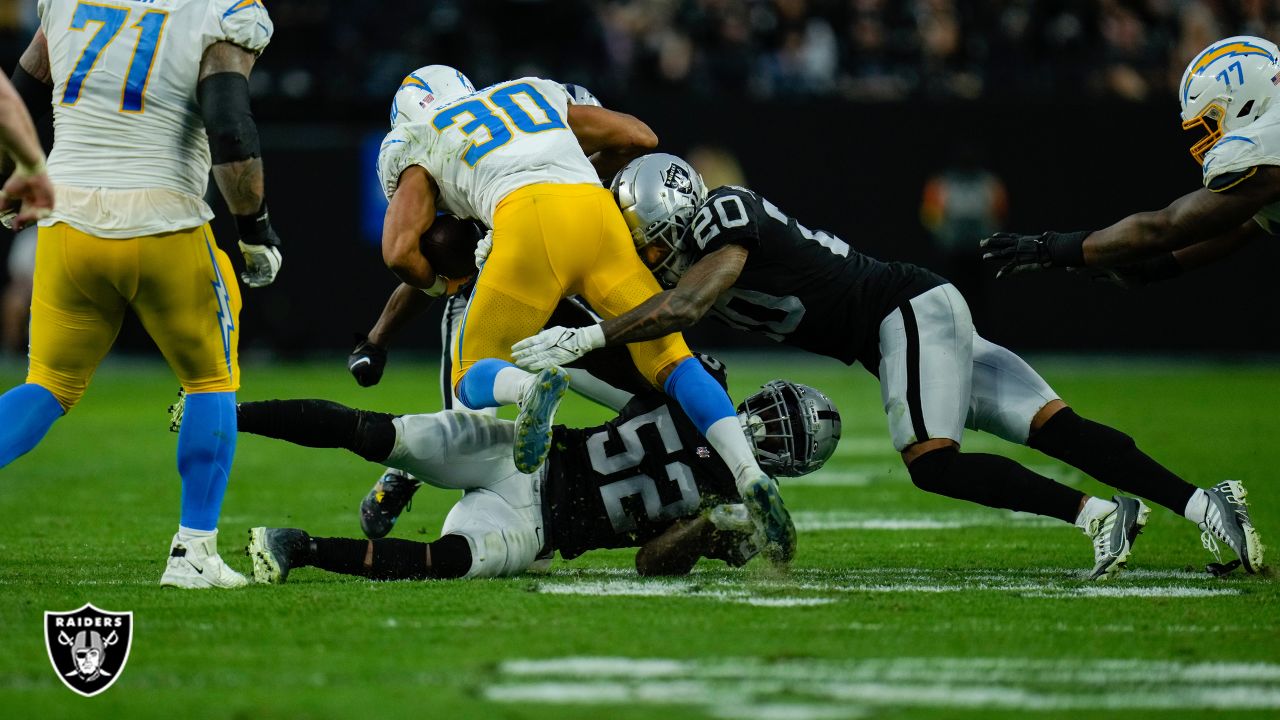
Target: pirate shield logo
88	647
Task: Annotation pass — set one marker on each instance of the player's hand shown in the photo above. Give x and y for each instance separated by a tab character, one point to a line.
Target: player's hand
1021	253
483	248
367	362
556	346
27	197
261	263
739	536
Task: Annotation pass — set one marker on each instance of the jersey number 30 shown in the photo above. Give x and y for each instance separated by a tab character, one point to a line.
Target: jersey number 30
496	122
110	20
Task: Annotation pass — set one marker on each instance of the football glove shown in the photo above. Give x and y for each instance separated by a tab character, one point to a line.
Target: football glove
367	362
736	538
483	248
261	248
556	346
1020	253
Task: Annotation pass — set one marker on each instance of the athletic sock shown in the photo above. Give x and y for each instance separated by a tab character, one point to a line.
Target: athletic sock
26	414
1093	508
493	383
707	405
993	481
1111	457
322	424
392	558
186	534
1197	507
206	447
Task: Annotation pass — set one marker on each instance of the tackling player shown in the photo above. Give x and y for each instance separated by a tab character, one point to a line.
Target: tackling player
1227	95
515	157
145	101
735	255
645	479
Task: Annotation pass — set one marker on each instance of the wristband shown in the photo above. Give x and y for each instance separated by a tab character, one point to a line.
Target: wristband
594	335
255	229
1066	249
437	288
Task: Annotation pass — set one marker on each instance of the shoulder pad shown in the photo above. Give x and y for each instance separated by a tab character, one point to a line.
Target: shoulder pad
242	22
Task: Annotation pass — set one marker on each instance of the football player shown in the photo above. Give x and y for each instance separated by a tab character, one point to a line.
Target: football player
735	255
1226	95
515	157
645	479
146	100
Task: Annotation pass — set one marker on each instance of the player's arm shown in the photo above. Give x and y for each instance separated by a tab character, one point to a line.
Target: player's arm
28	94
1194	218
667	312
677	550
369	358
223	93
411	211
611	139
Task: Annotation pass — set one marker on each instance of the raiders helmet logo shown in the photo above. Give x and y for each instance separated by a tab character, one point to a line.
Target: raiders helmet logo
88	647
677	178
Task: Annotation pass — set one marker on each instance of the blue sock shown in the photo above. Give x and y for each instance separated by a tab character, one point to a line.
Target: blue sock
699	395
26	414
475	390
206	447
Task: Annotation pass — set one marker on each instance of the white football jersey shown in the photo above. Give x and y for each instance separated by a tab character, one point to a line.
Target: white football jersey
128	133
482	146
1258	143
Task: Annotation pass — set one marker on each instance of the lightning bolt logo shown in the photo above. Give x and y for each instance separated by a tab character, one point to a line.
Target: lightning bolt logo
226	320
1214	53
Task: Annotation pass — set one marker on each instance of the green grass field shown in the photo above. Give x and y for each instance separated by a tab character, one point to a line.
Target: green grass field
900	604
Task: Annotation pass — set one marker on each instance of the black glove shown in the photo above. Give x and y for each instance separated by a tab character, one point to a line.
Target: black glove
367	362
1034	252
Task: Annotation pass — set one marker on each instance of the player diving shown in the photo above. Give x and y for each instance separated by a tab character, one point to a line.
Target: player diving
645	479
515	157
733	254
146	102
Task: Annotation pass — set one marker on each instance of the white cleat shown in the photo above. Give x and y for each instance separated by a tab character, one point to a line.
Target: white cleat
1227	520
196	565
1113	535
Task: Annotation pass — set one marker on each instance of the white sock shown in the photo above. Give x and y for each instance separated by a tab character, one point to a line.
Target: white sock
1197	507
187	534
725	435
1093	508
510	385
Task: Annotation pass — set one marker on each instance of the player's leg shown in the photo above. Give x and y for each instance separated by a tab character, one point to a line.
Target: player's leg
277	551
617	282
188	301
76	311
1012	401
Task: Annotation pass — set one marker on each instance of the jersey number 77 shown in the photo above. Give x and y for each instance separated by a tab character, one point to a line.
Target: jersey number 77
110	20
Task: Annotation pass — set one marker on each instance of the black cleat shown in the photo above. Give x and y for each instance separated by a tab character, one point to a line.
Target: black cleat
275	551
390	496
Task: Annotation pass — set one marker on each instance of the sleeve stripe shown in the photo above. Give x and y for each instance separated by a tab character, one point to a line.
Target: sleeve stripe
1226	181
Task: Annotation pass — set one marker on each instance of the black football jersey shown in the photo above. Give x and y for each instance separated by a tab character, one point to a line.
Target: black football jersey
621	484
801	287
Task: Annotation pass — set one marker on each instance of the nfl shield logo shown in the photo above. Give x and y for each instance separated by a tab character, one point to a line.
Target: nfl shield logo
88	647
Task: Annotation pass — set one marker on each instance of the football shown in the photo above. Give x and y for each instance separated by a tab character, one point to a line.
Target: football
450	246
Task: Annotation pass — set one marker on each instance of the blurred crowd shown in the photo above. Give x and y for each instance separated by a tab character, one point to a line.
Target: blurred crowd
867	50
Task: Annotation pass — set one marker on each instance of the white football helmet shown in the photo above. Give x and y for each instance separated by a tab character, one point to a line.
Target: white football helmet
658	195
793	429
579	95
1226	87
424	89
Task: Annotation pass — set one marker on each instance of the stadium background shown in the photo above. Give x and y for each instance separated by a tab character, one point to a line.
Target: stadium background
837	111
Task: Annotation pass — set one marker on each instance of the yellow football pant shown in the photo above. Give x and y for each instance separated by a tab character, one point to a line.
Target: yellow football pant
180	285
550	241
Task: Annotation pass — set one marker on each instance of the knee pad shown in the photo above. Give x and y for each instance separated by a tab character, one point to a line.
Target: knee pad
375	435
502	553
929	470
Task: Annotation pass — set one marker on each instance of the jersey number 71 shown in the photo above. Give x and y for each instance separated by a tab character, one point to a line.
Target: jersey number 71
110	20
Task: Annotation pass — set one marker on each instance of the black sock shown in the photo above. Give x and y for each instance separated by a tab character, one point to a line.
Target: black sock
392	558
321	423
1111	457
993	481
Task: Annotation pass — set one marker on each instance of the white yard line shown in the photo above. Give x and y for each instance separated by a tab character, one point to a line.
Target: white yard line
808	520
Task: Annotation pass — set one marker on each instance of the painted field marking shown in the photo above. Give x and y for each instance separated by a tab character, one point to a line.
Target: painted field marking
810	520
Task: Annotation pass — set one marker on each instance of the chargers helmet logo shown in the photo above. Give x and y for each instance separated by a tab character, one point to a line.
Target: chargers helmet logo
88	647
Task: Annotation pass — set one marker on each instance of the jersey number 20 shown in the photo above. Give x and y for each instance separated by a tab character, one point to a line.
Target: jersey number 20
110	20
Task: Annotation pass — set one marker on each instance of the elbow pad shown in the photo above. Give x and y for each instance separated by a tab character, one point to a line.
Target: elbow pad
224	104
37	96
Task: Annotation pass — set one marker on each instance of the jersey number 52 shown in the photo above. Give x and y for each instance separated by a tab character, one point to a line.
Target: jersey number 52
641	484
110	19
